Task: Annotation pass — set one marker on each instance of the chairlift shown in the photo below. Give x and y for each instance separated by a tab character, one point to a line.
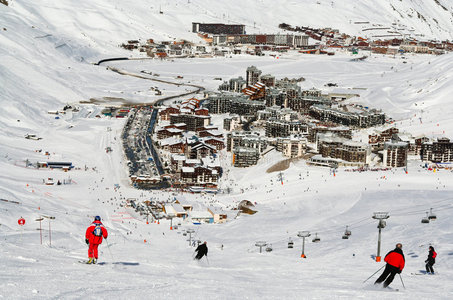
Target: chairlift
269	248
347	231
431	216
316	239
290	244
425	219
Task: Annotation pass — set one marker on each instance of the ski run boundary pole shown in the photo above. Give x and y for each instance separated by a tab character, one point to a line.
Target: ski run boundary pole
373	274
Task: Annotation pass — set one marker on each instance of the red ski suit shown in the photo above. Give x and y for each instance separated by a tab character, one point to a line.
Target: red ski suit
95	241
395	259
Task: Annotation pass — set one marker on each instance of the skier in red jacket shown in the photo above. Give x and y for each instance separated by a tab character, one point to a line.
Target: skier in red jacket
93	237
395	264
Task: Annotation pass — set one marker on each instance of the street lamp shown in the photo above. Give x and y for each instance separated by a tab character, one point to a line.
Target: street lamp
381	216
303	235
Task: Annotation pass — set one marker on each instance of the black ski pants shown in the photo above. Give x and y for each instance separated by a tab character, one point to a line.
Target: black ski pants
429	267
388	275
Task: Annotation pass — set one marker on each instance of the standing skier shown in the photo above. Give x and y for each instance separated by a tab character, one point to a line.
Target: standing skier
93	237
395	264
431	260
201	250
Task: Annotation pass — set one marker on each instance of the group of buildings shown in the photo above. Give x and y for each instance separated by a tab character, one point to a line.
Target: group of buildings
189	145
310	124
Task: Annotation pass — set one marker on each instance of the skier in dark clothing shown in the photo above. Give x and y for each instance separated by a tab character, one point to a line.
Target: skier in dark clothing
201	250
431	260
395	264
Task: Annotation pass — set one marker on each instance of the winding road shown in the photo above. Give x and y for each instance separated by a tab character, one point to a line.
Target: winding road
158	102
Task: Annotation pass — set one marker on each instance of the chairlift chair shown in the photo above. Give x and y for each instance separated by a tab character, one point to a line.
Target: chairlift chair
431	216
345	237
425	219
347	232
290	244
316	239
269	248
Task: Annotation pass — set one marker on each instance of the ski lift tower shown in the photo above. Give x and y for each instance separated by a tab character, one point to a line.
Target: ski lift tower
260	244
303	235
381	216
190	231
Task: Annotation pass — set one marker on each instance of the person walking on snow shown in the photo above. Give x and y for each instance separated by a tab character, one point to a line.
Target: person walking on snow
93	237
395	264
201	250
431	260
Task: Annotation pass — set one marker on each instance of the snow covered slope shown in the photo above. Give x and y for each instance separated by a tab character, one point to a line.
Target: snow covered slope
46	55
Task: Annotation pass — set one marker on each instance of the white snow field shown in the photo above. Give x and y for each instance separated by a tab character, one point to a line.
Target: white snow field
46	53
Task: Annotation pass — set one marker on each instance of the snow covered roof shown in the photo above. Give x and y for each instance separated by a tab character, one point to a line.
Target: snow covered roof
188	169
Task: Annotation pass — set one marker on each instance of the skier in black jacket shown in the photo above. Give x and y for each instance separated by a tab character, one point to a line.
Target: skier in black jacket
431	260
201	250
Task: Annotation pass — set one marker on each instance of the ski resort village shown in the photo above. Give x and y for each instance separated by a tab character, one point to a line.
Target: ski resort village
226	150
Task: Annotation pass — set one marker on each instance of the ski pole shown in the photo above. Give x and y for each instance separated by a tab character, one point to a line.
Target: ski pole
373	274
207	259
108	247
402	281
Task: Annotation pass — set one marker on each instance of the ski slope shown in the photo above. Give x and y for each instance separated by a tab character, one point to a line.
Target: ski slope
46	57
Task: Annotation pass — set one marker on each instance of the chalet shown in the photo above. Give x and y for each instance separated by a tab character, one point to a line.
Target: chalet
380	137
170	132
175	210
199	217
164	114
218	214
181	126
172	145
219	144
211	133
177	162
202	112
201	150
255	91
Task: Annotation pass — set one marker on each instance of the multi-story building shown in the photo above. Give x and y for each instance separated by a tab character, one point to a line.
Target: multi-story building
235	104
283	114
246	139
192	121
335	147
268	80
303	104
218	28
252	75
439	152
231	123
278	128
294	146
341	131
354	119
380	137
395	154
245	157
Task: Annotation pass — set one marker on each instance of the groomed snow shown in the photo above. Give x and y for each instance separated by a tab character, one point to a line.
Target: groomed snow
46	66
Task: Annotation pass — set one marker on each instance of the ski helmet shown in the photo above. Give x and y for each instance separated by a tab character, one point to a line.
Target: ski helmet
97	218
